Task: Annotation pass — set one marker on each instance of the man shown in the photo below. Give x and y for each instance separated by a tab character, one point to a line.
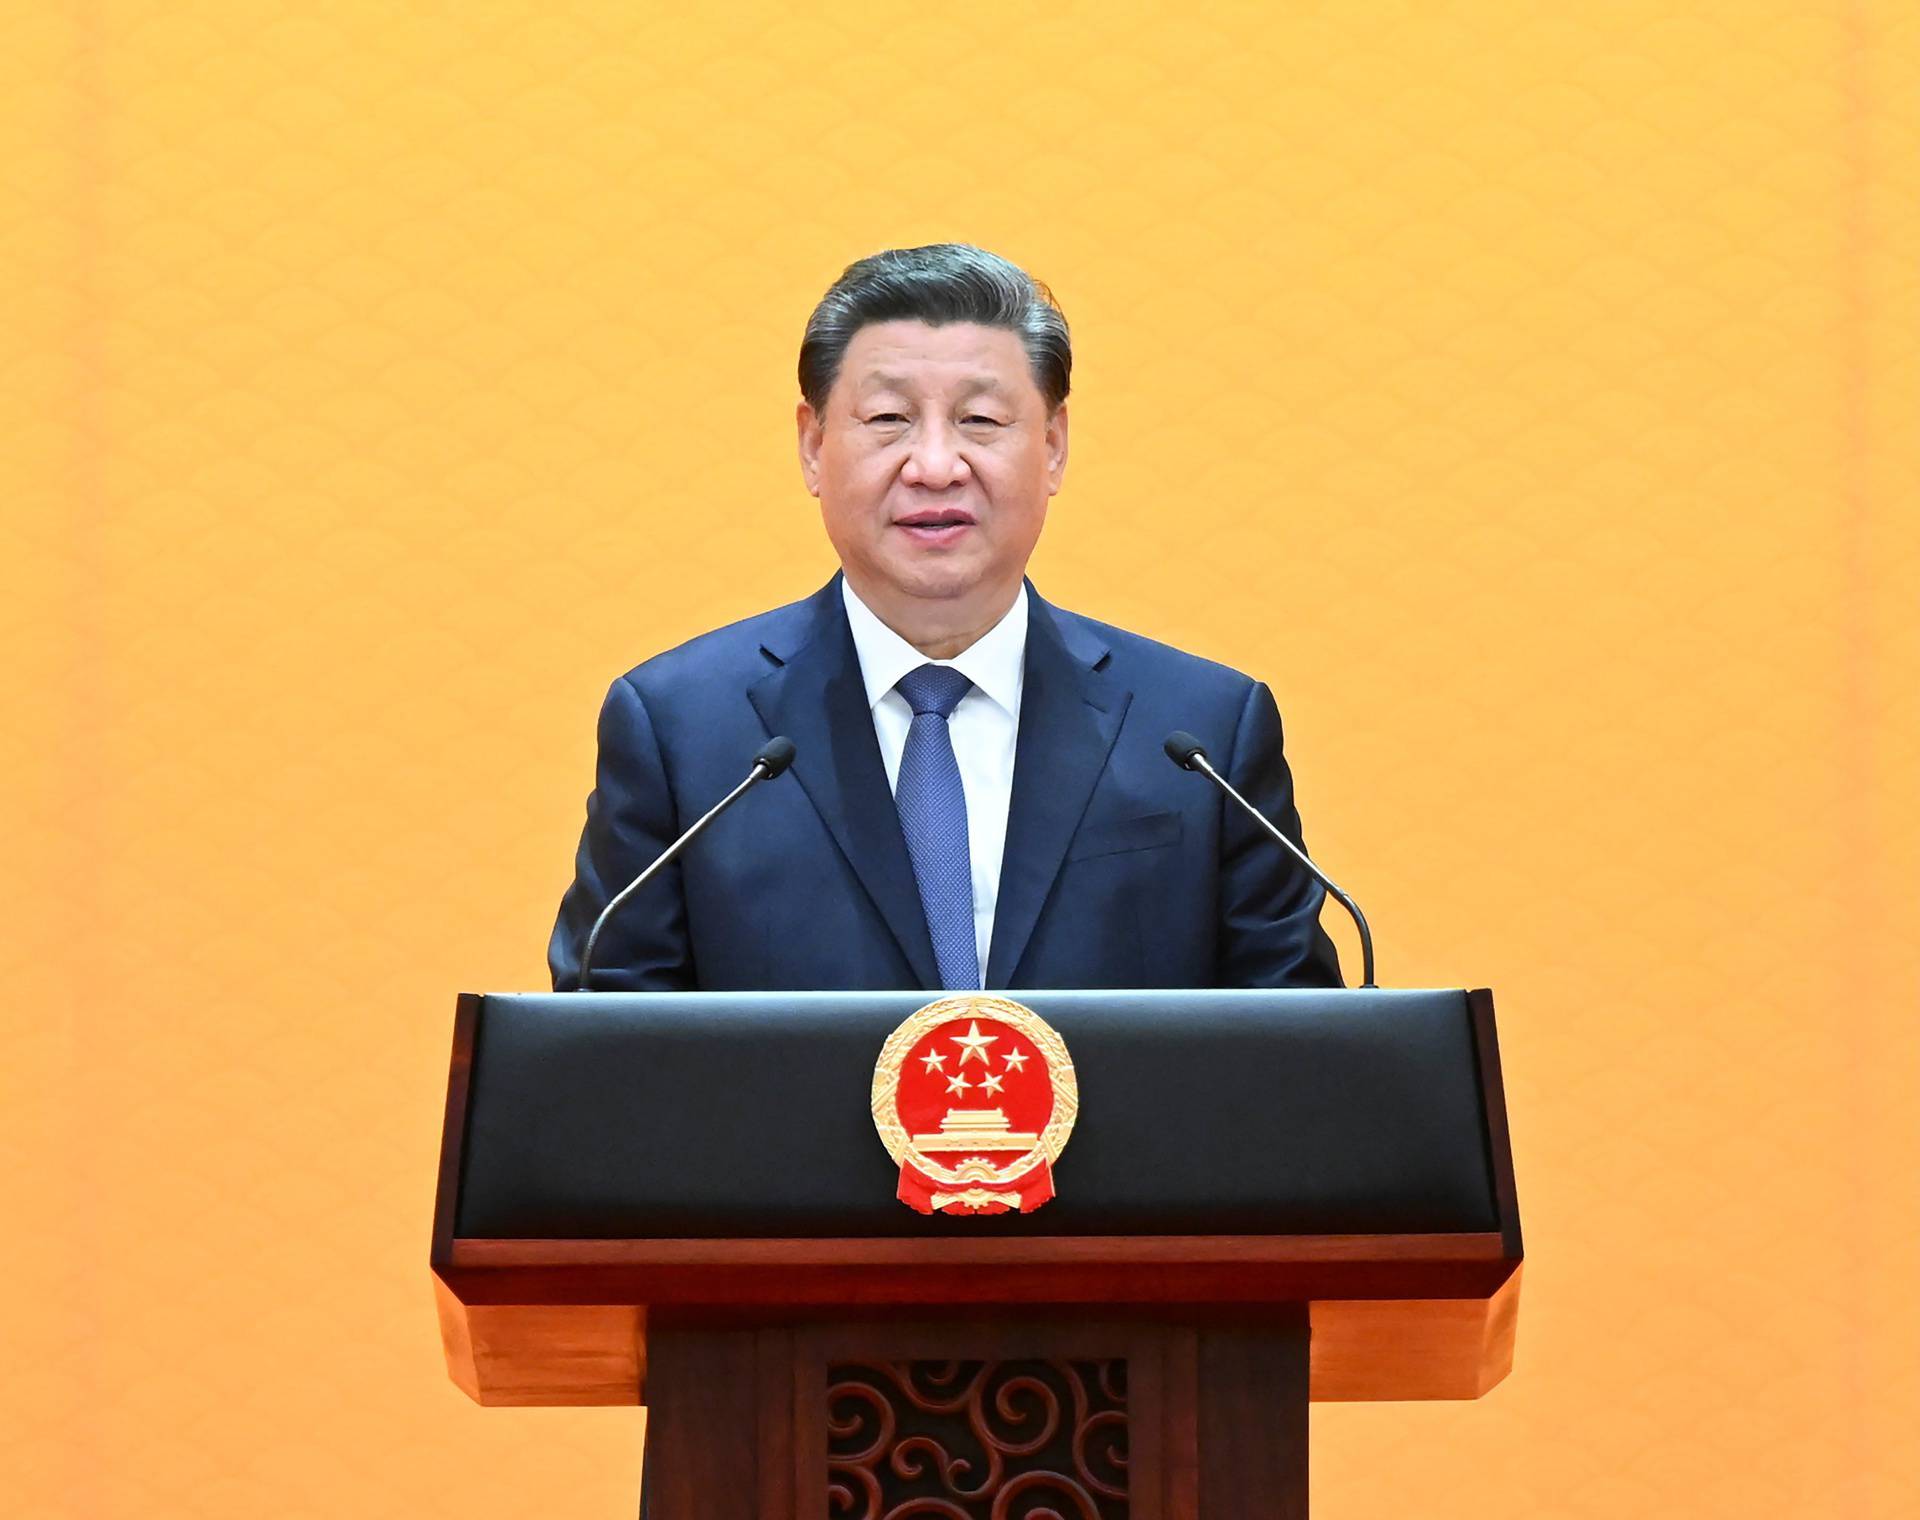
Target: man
980	796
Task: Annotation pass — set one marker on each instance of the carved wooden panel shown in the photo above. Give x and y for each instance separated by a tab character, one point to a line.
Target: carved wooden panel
1028	1439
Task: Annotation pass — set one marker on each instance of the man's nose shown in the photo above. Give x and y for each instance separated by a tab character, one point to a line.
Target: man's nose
935	459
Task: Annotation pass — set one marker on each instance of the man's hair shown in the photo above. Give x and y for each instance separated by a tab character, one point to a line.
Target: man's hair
941	283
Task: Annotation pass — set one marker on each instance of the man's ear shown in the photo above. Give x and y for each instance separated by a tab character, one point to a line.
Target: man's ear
811	429
1056	448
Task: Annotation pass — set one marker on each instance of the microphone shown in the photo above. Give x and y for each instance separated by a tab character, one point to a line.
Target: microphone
1184	751
774	758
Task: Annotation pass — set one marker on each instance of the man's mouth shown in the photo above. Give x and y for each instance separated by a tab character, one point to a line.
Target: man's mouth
936	525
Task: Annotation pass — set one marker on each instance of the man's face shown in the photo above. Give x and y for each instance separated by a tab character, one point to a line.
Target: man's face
934	463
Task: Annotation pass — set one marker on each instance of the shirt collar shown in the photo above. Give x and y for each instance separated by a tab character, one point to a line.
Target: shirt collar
995	662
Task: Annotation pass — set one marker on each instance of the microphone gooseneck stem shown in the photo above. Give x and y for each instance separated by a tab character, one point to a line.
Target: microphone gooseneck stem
1201	763
761	769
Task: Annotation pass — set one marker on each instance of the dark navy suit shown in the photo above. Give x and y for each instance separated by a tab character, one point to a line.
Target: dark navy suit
1121	870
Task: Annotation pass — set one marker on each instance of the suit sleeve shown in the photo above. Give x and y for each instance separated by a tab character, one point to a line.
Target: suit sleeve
631	818
1270	934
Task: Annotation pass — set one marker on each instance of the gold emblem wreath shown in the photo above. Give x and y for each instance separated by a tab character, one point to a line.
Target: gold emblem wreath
974	1005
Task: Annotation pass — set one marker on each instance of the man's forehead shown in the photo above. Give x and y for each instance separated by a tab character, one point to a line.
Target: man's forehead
972	380
906	355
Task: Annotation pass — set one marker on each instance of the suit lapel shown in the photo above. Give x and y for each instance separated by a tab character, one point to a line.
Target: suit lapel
817	698
1070	714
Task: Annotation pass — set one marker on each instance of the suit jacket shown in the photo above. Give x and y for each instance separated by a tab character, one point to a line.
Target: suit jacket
1121	870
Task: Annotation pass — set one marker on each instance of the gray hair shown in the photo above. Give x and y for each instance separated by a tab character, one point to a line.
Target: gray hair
941	283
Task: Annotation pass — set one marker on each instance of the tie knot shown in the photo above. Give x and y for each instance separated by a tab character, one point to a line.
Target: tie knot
933	689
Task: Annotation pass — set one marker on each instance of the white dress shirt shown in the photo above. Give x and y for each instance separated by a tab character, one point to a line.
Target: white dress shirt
984	727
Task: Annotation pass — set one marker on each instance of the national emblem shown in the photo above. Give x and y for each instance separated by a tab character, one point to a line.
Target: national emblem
956	1154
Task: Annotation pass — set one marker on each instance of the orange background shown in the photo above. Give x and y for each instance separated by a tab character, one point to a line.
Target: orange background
1528	392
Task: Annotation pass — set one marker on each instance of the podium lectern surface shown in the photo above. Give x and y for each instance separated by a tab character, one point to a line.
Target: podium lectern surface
1220	1113
618	1163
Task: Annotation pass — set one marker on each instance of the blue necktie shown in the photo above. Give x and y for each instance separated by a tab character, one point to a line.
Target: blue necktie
933	816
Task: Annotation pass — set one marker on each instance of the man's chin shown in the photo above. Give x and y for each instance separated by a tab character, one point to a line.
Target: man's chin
931	580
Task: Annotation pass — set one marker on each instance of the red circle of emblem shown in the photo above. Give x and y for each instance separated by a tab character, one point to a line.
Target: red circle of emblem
974	1096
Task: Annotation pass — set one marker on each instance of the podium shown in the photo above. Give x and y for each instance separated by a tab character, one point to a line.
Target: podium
1269	1197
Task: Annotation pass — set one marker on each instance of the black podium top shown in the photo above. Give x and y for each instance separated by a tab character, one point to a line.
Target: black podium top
637	1116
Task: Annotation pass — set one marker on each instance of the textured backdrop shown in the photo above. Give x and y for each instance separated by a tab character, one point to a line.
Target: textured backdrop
1528	392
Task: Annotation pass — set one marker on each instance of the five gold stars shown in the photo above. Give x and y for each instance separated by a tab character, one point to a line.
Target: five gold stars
973	1047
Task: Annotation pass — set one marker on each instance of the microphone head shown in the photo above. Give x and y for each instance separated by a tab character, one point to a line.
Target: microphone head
774	757
1183	749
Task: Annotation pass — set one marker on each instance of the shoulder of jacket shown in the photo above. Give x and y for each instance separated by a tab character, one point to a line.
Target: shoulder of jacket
1131	653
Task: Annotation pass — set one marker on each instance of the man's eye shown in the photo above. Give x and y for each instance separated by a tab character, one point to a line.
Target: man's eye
979	420
887	417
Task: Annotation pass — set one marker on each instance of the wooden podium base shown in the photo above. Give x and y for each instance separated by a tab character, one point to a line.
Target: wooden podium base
1177	1417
